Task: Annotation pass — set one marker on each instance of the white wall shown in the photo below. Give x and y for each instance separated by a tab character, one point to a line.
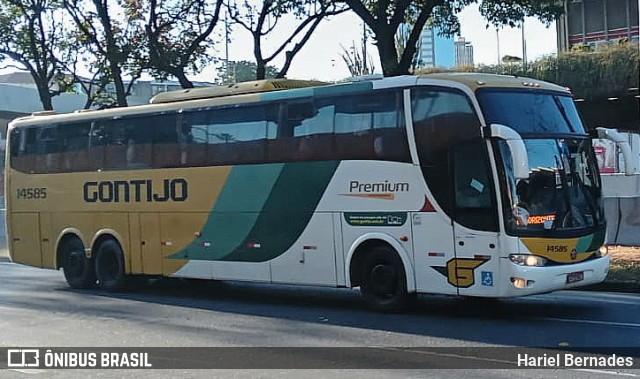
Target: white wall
26	100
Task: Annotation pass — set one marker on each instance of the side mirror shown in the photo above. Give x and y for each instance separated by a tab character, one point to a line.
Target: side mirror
519	157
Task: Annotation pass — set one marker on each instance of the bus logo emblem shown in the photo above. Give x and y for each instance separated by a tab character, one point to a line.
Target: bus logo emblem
460	271
574	254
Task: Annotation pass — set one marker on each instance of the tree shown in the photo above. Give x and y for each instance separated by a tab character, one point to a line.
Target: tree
113	37
242	71
178	35
31	34
261	21
384	17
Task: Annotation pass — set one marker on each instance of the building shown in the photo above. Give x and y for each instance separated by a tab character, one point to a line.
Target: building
19	96
435	50
593	22
464	52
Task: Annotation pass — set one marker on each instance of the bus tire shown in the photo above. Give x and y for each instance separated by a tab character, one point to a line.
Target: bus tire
110	266
384	286
78	270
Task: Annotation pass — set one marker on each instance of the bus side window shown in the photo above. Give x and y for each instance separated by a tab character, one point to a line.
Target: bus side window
371	126
22	150
48	147
233	135
75	146
312	125
442	119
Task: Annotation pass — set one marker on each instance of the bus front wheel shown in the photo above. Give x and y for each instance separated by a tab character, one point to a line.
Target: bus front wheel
77	268
384	286
110	266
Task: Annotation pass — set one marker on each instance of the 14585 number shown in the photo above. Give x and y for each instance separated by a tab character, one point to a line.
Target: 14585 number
32	193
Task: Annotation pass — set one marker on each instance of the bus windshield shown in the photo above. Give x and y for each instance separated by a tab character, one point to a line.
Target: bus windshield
530	112
563	191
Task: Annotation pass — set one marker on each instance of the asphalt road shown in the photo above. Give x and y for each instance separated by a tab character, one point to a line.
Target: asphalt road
37	309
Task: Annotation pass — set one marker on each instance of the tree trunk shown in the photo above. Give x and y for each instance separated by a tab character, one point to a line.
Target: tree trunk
45	96
182	78
388	53
261	69
121	94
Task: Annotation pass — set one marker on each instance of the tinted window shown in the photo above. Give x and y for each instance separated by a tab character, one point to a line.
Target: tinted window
363	126
442	118
530	112
367	126
473	187
234	135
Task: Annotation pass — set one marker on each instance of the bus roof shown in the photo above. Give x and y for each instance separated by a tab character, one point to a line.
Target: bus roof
478	80
233	89
273	89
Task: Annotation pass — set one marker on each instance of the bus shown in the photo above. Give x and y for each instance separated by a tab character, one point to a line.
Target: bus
459	184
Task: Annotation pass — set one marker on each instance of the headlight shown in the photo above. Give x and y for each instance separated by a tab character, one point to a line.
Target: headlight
527	260
603	251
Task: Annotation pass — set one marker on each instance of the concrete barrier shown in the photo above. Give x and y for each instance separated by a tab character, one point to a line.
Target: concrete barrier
623	221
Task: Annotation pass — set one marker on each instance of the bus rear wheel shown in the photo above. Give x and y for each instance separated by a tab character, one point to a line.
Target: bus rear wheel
384	286
77	268
110	266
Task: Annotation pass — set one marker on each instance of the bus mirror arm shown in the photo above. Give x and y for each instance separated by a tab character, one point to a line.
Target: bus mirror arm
623	143
519	157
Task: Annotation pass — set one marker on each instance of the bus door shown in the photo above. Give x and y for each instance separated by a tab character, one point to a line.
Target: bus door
432	248
475	226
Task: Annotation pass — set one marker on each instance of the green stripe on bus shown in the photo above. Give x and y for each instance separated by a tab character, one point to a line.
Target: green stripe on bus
287	212
259	221
597	240
591	242
284	95
343	89
243	196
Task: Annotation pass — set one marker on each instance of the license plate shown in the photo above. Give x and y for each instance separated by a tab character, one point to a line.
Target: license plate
573	277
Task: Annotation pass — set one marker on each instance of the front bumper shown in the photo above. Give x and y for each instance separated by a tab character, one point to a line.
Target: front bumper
550	278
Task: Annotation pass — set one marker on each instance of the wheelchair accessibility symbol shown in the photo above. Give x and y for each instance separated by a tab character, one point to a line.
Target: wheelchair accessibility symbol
487	278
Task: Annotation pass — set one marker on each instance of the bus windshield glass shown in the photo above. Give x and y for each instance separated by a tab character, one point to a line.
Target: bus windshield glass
563	191
530	112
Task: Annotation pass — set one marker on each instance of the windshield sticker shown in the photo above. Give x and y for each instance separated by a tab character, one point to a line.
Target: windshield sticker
477	185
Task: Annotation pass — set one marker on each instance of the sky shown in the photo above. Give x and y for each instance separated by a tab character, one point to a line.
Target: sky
320	58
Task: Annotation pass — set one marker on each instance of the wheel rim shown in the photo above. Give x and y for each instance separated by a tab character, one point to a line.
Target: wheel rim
384	280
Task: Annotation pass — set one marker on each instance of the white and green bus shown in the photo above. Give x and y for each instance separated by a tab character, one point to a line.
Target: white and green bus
460	184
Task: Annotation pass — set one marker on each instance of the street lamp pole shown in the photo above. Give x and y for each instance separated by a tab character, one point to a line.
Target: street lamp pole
524	48
498	44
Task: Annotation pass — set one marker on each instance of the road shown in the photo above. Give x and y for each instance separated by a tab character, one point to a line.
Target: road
38	309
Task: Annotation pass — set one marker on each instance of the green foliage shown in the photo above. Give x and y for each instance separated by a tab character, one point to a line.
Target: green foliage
261	21
31	35
611	70
242	71
385	17
114	39
178	35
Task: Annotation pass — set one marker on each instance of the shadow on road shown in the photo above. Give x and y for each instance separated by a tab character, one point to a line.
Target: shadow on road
564	316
